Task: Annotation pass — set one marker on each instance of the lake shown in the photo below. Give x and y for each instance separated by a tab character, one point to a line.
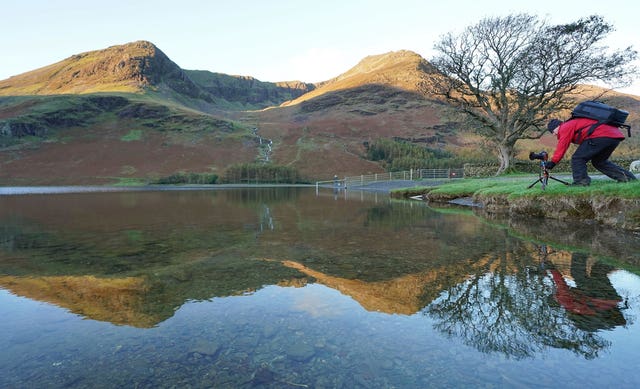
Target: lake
293	288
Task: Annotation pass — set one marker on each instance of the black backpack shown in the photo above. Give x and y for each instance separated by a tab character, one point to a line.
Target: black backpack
603	113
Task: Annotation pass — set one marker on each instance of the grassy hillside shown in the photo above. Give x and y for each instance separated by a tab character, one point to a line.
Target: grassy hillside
243	92
112	139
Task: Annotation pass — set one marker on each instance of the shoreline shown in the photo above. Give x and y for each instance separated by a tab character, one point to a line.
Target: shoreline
62	189
608	210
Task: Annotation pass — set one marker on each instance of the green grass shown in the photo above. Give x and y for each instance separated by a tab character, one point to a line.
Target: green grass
128	181
132	136
187	178
514	187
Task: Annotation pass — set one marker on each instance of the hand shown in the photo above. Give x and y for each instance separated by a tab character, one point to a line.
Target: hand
549	165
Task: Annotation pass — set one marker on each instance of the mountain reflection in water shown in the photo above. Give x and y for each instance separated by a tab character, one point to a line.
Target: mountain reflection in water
134	259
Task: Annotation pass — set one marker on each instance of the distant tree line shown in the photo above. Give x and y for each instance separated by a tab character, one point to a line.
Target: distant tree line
188	178
399	155
262	173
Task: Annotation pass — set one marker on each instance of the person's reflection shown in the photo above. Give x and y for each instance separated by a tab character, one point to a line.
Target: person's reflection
593	303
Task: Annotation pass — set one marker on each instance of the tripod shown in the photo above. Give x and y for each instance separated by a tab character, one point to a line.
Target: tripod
543	177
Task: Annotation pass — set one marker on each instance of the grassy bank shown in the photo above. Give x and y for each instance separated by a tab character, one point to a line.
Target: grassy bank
517	187
605	201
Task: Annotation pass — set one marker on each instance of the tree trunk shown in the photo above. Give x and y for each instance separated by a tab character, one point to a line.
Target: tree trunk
505	152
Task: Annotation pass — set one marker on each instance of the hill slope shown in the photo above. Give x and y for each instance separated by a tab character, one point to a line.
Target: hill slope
244	92
326	131
99	139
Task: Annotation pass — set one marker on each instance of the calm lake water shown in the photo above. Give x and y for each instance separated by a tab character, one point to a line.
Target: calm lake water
289	288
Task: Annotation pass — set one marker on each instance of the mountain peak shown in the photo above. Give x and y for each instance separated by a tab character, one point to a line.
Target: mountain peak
381	61
131	67
402	69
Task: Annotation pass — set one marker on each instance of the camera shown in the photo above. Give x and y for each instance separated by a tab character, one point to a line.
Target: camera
541	156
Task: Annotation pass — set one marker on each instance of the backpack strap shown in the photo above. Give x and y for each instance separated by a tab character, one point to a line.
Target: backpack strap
592	128
628	127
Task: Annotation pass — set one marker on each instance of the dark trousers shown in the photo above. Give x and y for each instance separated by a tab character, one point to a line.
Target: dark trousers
598	151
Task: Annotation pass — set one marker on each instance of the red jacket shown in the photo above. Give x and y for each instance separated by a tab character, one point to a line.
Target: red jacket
575	301
575	131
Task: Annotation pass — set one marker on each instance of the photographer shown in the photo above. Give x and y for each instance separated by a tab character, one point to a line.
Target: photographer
596	147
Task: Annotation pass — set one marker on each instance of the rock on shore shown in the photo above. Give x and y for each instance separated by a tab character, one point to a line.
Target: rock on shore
611	211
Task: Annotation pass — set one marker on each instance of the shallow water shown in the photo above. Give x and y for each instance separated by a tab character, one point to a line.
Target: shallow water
280	287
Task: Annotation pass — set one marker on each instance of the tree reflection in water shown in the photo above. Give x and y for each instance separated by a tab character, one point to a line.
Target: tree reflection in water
513	308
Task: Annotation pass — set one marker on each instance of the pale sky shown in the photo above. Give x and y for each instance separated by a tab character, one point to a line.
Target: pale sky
271	40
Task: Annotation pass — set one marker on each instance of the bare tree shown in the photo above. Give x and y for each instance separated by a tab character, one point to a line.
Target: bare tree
509	74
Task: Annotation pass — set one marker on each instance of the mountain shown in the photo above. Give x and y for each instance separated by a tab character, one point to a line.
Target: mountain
124	113
404	70
140	67
135	67
130	113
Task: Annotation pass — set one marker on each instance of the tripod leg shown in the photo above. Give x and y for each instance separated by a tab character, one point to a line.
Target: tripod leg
534	182
559	180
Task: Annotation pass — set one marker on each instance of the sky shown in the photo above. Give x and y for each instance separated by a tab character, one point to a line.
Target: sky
272	40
